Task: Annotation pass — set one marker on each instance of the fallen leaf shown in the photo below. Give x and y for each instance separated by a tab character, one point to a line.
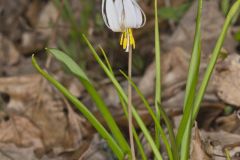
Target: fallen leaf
39	117
198	152
226	80
211	28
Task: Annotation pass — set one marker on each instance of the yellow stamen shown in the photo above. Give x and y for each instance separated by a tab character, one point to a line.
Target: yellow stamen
127	39
121	40
132	41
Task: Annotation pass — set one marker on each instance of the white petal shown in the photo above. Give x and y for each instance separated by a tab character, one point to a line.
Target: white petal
140	15
104	12
119	15
119	10
110	14
134	15
129	14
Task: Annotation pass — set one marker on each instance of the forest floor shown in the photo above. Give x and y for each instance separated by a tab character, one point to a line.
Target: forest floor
38	123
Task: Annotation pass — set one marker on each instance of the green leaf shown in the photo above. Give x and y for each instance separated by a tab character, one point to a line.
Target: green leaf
83	109
237	36
191	81
225	4
106	59
227	154
123	95
137	140
77	71
67	60
170	152
173	13
185	145
215	54
172	136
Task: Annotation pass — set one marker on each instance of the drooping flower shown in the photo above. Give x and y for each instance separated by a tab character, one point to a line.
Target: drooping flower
123	16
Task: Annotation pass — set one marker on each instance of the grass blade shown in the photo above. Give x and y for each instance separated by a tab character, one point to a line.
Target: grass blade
234	9
106	60
157	123
154	117
83	109
77	71
185	145
192	78
137	140
172	136
123	95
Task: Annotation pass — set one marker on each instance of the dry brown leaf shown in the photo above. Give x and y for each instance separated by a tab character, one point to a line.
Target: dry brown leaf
226	80
174	70
198	152
56	127
208	114
211	28
20	131
11	20
13	152
8	51
229	123
215	143
47	16
33	10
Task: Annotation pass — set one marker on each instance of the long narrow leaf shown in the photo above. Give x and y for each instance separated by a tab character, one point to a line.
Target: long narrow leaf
120	90
106	59
192	78
137	140
83	109
77	71
234	9
171	133
185	150
154	117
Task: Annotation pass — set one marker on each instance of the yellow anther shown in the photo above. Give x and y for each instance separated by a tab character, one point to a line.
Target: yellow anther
127	39
132	41
121	40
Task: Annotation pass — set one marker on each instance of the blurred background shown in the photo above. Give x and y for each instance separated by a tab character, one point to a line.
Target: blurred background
38	123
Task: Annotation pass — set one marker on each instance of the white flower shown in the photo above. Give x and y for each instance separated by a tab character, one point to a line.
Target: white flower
122	16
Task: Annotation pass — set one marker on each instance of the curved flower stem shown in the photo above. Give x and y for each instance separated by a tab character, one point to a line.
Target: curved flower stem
130	119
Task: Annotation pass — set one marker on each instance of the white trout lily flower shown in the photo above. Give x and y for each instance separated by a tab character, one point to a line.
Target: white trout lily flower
122	16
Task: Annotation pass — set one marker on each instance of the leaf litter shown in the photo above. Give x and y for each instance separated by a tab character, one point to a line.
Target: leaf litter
36	122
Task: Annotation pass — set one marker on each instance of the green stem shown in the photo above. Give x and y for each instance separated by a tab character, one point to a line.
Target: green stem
130	119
